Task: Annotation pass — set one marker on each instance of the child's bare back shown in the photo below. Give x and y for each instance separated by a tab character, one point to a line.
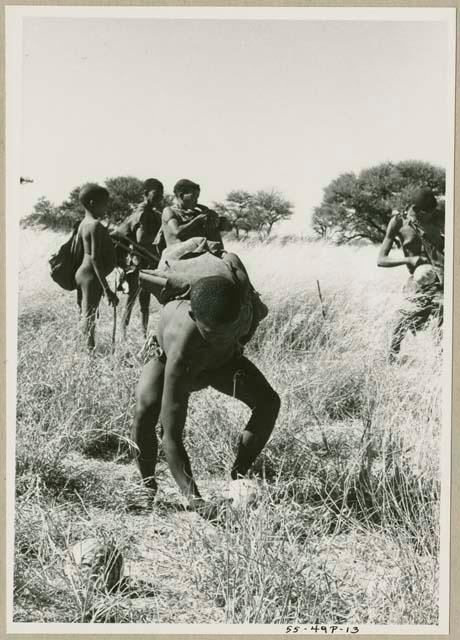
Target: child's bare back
97	242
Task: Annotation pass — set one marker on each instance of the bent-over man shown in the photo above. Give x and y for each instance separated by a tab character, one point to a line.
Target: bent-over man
421	238
199	345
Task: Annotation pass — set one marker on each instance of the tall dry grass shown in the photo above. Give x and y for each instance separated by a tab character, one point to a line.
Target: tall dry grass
345	528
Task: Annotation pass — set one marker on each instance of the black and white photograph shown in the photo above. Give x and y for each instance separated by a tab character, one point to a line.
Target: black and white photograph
229	238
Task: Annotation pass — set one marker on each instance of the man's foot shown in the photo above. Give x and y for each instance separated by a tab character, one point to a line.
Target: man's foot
141	499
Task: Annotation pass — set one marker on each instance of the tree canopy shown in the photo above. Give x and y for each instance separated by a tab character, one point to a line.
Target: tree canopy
125	193
358	207
258	211
255	211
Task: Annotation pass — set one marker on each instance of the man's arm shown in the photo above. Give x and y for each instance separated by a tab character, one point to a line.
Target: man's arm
138	226
173	415
178	231
383	260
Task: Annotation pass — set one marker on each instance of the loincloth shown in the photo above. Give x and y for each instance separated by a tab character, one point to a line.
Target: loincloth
152	350
421	302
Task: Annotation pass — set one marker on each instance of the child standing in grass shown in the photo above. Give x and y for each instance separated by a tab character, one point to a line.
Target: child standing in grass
98	258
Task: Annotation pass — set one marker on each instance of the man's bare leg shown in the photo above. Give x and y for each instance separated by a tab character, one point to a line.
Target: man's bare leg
413	321
133	289
400	330
243	380
148	406
79	300
144	302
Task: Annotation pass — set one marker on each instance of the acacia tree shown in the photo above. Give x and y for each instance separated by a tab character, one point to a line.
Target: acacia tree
270	207
255	212
238	208
125	193
359	206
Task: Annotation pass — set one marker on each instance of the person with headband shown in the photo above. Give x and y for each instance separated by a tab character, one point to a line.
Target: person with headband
98	259
421	238
142	227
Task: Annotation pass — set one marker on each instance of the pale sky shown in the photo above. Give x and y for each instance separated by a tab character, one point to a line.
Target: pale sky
229	103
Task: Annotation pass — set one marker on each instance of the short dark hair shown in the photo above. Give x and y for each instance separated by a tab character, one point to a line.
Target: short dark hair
92	192
185	185
152	183
215	300
424	199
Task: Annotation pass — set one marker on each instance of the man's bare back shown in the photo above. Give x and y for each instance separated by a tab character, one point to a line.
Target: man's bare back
181	340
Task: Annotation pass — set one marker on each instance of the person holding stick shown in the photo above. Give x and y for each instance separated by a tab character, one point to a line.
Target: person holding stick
141	228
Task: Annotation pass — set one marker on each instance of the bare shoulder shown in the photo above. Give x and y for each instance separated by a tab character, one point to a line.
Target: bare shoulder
88	226
92	224
168	214
176	329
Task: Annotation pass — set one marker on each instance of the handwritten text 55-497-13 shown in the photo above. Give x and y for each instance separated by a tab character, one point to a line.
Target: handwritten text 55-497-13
322	628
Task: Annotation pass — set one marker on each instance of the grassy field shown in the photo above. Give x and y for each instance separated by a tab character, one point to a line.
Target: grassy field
345	525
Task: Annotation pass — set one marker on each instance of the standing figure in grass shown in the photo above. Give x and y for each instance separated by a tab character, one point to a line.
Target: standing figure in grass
98	259
186	219
420	233
199	345
142	227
